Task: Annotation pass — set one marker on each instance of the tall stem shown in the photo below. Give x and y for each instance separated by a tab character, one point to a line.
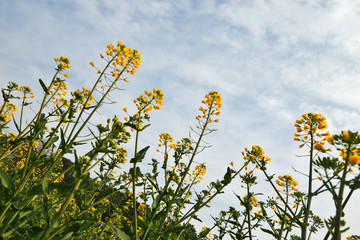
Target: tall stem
133	187
339	198
248	210
304	227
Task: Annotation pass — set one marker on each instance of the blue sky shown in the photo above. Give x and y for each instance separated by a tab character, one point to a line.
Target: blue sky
271	60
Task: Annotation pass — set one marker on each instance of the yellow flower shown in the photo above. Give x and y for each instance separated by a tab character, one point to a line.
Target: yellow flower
345	135
354	159
319	147
92	64
66	75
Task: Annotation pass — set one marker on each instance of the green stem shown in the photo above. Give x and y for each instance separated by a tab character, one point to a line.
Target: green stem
339	198
248	210
55	219
304	226
133	187
169	206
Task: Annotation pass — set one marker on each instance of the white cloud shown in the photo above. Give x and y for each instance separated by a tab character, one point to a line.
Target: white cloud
271	61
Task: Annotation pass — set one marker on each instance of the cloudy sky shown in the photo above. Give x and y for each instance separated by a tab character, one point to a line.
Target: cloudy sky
272	60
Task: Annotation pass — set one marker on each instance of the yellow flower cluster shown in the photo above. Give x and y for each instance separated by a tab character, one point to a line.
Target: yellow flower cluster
58	92
26	90
150	101
81	96
288	182
183	147
63	63
309	125
346	137
198	173
144	103
354	157
209	234
252	200
7	111
165	139
123	59
212	107
256	156
121	155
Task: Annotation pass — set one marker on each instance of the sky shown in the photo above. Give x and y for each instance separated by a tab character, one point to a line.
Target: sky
271	60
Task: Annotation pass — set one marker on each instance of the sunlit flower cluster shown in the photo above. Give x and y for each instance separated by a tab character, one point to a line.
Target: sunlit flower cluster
309	126
198	173
183	147
256	156
347	140
26	91
150	101
288	182
82	95
252	200
212	107
63	64
58	93
144	103
344	139
166	140
122	58
7	111
354	157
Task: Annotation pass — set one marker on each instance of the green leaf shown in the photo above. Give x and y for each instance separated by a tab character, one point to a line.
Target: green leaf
106	191
122	235
62	141
227	177
263	211
268	231
53	139
23	214
45	185
133	126
16	125
44	87
164	166
176	229
140	155
6	180
68	235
